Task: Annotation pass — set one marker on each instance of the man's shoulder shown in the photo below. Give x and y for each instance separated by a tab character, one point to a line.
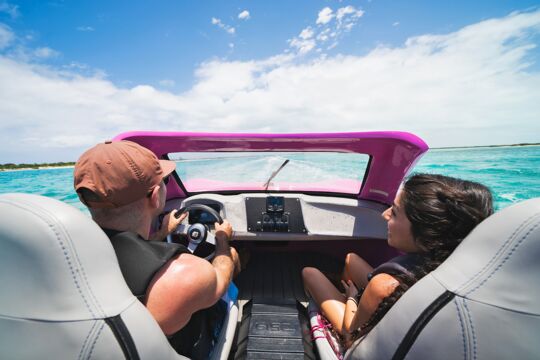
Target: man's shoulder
187	267
187	278
140	260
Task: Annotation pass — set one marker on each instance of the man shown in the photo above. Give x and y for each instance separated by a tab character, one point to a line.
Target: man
124	187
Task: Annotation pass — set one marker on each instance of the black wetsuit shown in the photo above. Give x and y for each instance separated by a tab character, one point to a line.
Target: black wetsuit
400	265
139	261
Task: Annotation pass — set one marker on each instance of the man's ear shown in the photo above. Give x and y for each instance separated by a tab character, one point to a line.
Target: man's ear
154	197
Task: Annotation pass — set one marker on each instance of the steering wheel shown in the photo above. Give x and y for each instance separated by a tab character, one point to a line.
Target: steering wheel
197	233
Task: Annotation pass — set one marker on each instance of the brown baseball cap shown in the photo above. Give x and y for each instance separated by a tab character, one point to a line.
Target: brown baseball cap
118	173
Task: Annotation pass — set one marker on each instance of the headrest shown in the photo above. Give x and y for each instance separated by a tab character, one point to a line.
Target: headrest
499	261
55	263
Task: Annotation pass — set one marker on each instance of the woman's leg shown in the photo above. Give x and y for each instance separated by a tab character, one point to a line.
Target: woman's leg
356	269
330	300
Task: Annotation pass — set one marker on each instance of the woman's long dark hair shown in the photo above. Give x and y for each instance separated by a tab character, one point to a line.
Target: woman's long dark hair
442	211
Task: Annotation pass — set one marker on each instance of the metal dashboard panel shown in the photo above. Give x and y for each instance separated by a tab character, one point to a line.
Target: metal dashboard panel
263	216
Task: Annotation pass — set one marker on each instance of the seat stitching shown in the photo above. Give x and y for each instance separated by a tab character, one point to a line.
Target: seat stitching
462	330
83	272
472	327
501	249
61	243
96	339
86	340
512	251
70	264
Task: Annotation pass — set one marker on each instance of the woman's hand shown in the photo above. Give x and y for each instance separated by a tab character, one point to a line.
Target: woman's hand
350	288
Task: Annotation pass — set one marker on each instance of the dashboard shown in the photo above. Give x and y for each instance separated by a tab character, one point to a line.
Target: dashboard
279	217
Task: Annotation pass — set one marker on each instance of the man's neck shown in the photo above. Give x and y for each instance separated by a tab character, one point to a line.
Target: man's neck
136	218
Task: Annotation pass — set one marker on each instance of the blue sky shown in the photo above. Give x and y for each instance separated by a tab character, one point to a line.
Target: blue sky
455	73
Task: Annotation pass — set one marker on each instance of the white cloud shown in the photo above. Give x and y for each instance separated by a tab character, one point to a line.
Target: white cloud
244	15
306	33
76	66
302	45
312	38
347	17
85	28
167	83
45	53
323	35
332	45
6	36
474	86
220	24
325	16
15	49
395	24
348	10
11	10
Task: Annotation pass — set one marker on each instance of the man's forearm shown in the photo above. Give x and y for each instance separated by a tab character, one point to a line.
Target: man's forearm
223	265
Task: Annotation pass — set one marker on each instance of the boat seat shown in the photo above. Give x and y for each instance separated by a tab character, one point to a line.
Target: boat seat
62	293
481	303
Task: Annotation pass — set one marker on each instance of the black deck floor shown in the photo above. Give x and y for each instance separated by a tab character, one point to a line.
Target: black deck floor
274	323
276	277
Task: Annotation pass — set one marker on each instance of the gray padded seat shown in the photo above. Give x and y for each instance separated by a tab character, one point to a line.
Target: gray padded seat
60	281
491	285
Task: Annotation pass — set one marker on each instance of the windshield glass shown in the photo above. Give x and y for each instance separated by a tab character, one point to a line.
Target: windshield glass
305	171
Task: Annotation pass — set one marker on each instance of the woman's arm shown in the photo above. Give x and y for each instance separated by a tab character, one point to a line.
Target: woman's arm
351	306
356	269
381	286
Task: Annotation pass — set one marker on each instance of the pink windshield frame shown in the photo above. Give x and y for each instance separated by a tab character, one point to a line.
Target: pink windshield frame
393	153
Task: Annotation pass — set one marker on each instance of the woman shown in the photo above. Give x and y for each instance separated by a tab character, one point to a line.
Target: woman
430	216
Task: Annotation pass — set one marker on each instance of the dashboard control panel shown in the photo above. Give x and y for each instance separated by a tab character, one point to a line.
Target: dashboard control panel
274	214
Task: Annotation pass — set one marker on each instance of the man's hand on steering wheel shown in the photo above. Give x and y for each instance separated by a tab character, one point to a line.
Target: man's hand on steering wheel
168	225
223	231
171	222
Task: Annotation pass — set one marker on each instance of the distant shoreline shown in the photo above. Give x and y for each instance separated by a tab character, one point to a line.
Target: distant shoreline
38	167
22	167
485	146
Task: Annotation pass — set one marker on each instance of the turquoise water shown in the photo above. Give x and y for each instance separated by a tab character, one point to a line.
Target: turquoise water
55	183
512	173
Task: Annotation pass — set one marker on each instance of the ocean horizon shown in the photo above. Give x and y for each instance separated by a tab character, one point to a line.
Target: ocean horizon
511	172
